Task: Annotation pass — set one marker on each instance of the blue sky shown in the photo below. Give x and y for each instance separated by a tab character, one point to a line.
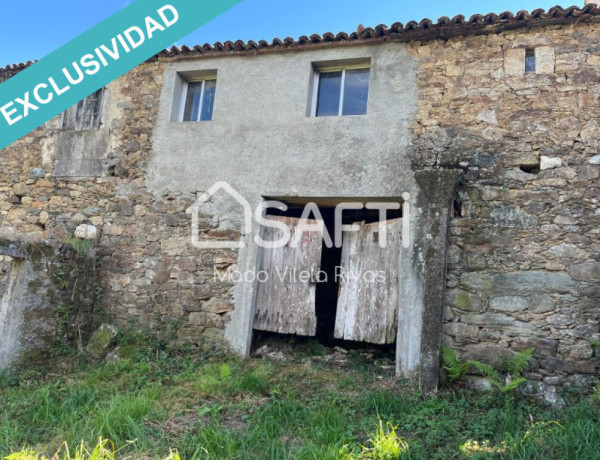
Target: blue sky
32	29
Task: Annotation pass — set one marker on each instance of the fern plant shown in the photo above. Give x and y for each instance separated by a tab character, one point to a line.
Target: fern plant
517	364
508	378
453	365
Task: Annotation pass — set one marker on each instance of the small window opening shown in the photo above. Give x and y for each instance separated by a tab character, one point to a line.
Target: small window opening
530	169
84	115
458	208
530	61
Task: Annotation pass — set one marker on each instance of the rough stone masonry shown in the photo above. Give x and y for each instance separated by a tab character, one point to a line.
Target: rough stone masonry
523	226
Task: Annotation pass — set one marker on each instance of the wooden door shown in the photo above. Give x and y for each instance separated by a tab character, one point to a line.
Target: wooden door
367	309
285	300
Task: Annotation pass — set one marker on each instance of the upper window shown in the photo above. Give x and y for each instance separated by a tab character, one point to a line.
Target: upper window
529	61
86	114
340	92
199	100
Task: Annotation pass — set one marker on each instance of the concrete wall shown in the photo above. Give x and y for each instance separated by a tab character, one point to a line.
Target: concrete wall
262	142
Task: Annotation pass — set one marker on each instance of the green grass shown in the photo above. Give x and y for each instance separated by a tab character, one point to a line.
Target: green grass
222	408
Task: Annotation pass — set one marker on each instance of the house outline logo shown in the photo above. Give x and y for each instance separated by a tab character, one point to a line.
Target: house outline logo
248	218
205	197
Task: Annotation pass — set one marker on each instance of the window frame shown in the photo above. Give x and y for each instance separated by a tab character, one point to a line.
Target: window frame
184	95
98	114
317	84
530	55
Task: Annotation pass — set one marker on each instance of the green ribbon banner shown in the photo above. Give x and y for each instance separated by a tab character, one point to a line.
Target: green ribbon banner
95	58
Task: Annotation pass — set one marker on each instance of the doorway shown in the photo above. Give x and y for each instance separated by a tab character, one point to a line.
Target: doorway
341	295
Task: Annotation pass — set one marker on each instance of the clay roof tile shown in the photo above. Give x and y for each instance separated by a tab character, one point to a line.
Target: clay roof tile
424	30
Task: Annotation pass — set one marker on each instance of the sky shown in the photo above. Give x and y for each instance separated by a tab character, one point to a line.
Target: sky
31	29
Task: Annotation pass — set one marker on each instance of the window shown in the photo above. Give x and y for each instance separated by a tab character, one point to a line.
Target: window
86	114
530	61
199	100
339	92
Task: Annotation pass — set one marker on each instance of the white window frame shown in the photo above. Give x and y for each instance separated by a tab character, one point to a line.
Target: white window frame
184	95
317	81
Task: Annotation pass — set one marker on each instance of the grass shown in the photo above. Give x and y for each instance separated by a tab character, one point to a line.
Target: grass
173	403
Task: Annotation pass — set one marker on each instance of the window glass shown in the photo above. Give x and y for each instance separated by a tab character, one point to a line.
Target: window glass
199	100
356	92
328	98
529	61
192	101
208	101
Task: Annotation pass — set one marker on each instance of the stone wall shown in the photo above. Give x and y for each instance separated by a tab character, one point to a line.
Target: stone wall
523	257
152	278
524	243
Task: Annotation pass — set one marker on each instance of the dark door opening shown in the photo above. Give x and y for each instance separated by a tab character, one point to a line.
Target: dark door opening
327	285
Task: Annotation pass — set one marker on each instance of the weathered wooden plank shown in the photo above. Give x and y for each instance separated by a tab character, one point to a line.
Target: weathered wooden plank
285	300
368	301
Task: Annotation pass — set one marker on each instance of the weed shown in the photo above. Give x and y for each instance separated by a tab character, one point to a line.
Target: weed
385	444
507	378
220	407
81	247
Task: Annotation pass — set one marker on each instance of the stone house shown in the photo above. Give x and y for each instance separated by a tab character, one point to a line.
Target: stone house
481	134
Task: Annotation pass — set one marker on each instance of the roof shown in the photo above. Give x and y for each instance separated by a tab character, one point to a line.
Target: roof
445	28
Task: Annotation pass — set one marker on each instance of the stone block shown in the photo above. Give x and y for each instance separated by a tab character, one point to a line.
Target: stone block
101	340
514	62
20	189
542	303
509	216
504	323
549	163
532	281
589	173
36	173
595	160
488	353
461	330
566	252
559	320
464	301
187	264
555	365
476	281
543	347
218	306
509	304
86	232
589	271
544	60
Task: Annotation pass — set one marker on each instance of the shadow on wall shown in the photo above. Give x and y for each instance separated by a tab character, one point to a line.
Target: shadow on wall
14	277
50	300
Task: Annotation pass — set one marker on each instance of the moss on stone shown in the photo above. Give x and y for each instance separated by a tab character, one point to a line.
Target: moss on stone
463	301
101	340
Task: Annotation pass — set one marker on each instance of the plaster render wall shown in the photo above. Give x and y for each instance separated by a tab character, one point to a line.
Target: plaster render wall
262	142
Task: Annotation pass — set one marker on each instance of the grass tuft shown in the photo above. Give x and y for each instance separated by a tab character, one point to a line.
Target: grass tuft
179	404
